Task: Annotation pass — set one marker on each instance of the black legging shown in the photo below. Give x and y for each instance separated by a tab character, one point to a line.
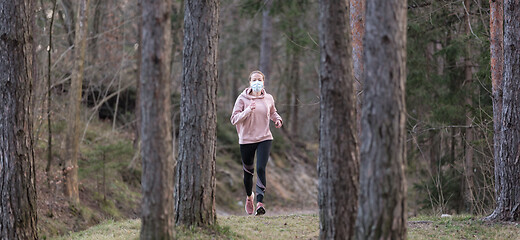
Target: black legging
248	157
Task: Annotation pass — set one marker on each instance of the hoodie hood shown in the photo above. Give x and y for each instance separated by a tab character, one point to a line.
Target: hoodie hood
246	94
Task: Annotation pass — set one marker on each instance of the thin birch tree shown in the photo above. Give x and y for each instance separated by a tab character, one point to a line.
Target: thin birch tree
70	166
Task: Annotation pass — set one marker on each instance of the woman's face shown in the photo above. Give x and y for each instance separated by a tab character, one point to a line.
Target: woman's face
256	77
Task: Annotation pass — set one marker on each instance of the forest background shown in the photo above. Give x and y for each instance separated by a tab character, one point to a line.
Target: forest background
449	165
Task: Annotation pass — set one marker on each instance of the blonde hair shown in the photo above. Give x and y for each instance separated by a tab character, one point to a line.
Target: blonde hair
256	71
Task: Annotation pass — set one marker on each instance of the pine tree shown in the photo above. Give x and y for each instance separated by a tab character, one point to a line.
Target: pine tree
338	161
156	124
382	209
195	174
508	167
17	171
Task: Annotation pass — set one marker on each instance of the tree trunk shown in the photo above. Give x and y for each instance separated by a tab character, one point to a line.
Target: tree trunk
265	45
70	166
382	209
17	171
49	98
469	185
338	161
508	197
236	61
137	126
357	24
497	70
195	173
93	43
156	123
69	20
121	72
112	33
295	81
289	52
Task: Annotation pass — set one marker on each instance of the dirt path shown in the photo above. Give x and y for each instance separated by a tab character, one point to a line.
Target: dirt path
276	211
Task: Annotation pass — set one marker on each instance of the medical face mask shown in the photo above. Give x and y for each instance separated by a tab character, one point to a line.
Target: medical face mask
257	86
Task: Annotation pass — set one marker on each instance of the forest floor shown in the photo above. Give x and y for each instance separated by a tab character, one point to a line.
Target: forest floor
109	177
306	226
110	192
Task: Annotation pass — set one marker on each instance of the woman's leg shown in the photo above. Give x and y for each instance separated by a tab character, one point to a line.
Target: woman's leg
261	162
248	158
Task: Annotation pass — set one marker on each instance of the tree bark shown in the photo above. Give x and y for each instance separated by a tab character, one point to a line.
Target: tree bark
122	64
137	125
195	173
508	169
338	161
295	81
112	33
98	18
17	171
289	52
49	98
70	166
497	70
382	209
265	45
469	185
69	20
156	123
357	24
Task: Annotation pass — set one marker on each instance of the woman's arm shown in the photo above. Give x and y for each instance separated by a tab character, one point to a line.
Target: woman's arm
240	112
275	117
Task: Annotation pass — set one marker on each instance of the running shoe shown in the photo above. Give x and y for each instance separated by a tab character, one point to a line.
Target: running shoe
260	210
250	206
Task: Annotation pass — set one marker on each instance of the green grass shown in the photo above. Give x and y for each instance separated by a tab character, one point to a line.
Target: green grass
460	227
129	229
274	227
109	230
306	226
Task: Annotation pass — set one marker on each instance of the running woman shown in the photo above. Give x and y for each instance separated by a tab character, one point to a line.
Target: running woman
251	114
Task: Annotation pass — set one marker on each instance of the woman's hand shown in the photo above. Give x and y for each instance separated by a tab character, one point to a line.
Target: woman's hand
252	106
278	124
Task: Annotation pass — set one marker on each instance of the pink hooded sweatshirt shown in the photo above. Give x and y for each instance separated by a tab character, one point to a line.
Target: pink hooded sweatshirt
253	125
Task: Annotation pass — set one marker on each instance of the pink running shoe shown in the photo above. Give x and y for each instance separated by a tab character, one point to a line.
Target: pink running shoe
260	210
250	206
